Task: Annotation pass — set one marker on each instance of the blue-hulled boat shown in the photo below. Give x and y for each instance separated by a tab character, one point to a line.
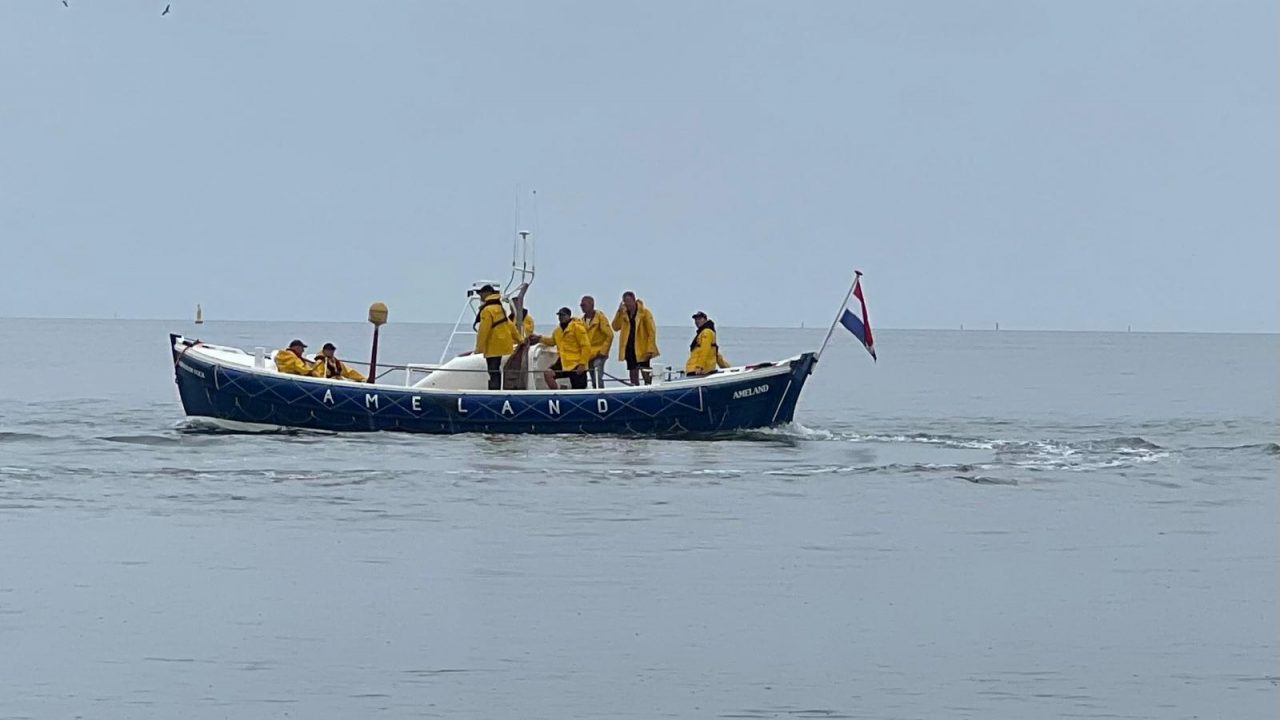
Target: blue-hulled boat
239	390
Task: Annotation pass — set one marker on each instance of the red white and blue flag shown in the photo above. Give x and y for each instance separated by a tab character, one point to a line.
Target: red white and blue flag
860	327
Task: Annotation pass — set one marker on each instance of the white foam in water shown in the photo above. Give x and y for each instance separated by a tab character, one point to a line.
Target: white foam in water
926	440
795	431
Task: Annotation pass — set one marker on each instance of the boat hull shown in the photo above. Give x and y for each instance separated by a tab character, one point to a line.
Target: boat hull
751	399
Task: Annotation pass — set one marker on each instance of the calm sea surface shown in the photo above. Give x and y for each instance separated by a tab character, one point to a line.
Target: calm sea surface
984	525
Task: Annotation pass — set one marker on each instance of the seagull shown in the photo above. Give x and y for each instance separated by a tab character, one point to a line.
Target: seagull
64	4
166	11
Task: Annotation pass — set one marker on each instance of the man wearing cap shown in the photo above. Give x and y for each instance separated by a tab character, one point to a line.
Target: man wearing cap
335	368
570	339
291	362
495	334
704	352
600	334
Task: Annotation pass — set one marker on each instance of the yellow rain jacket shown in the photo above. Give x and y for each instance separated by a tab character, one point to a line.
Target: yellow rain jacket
526	326
646	333
289	363
599	334
572	343
495	334
335	368
704	353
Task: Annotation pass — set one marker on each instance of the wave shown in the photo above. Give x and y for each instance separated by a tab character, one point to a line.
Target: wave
986	480
949	441
959	471
613	473
25	437
796	431
1132	444
210	426
1264	448
892	468
151	440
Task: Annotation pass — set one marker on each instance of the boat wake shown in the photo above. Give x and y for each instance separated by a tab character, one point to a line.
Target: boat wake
1010	453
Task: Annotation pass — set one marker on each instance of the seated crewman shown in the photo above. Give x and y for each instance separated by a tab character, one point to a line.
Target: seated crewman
291	362
335	368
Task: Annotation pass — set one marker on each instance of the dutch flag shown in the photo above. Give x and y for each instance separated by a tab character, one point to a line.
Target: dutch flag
860	327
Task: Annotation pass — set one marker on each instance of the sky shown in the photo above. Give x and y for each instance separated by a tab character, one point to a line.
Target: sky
1044	165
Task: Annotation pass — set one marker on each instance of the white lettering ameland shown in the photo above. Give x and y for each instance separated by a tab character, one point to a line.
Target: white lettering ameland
328	396
506	408
462	410
602	405
371	401
190	369
748	392
553	407
417	403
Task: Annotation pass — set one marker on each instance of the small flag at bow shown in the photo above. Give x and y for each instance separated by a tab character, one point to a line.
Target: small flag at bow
860	327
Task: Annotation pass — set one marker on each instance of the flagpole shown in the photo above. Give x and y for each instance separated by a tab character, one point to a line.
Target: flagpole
843	304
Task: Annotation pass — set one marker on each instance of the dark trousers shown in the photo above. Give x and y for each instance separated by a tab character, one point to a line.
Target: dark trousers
495	372
577	380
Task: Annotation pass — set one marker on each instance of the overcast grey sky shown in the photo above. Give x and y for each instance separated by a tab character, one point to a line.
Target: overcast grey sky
1056	165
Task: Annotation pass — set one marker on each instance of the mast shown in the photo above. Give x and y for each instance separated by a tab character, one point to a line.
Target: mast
523	261
522	273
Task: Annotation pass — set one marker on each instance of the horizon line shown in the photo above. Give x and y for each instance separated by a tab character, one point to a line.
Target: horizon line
987	329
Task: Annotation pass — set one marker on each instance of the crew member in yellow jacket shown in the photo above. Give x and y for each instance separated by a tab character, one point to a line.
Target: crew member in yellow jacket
600	335
335	368
704	352
526	324
637	337
495	334
570	339
291	362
